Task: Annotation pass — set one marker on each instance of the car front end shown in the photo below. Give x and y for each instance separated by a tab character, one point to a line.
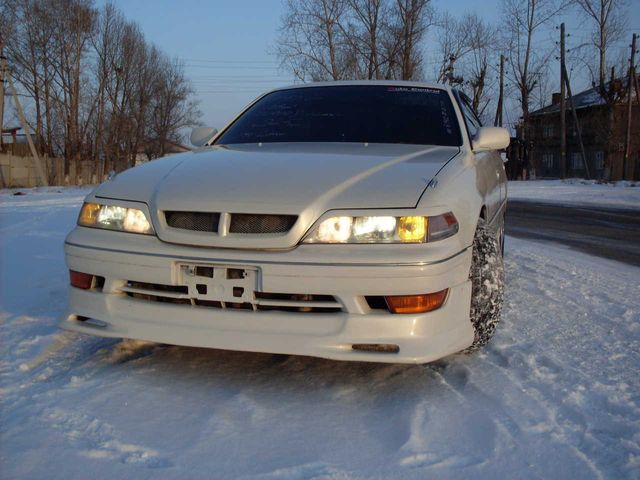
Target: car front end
324	300
348	251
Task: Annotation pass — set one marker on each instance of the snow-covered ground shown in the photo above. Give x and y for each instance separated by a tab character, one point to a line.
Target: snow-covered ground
555	395
578	192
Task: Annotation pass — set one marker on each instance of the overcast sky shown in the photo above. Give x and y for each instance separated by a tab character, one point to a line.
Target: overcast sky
225	44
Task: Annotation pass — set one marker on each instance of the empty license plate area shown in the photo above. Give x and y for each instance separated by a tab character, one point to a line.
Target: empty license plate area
219	283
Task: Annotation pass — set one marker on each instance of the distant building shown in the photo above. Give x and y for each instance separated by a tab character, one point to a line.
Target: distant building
15	143
603	135
150	151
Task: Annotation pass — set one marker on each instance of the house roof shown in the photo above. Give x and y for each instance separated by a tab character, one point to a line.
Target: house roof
585	99
177	147
11	129
170	147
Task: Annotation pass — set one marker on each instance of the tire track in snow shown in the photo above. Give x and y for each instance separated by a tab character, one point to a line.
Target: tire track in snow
550	381
307	471
97	439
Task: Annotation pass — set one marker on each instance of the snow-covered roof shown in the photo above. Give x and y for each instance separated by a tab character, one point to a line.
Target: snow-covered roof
585	99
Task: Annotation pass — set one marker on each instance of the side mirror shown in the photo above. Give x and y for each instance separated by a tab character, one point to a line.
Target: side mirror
201	135
491	138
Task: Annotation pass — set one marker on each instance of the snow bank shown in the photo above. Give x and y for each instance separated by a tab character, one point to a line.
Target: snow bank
46	197
578	192
555	395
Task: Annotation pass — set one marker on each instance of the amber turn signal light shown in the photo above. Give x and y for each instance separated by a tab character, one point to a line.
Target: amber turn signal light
80	280
427	302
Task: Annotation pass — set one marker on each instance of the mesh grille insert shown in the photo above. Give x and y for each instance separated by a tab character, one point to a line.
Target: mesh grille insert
261	224
197	221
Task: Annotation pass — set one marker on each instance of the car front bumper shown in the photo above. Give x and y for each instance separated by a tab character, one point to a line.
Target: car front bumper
307	270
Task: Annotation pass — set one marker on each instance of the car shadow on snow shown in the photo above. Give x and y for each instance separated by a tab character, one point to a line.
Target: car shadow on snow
191	364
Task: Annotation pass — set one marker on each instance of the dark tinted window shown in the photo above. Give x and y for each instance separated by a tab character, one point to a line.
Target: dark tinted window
374	114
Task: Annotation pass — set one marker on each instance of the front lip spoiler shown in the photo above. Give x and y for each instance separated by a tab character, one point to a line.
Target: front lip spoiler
270	262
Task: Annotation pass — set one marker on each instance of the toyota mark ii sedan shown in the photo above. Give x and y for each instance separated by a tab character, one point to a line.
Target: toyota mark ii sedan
346	220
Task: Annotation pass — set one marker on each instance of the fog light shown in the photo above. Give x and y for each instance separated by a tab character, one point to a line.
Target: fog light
80	280
416	303
412	229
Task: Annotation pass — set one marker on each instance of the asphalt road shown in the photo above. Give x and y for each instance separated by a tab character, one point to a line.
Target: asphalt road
607	233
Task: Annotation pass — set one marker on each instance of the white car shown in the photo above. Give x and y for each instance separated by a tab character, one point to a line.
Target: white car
345	220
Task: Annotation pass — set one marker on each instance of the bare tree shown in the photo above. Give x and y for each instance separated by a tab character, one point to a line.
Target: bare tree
412	19
73	22
609	27
483	40
27	50
347	39
365	28
105	43
527	60
465	48
311	42
453	44
171	108
92	84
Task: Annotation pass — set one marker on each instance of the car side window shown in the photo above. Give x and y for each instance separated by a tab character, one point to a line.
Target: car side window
470	118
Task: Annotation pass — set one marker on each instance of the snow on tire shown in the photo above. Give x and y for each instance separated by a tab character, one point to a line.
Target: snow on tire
487	285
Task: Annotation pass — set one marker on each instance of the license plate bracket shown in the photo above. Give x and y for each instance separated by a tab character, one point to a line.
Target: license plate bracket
220	283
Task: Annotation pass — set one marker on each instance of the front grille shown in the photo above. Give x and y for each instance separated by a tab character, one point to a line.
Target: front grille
196	221
241	223
284	302
244	223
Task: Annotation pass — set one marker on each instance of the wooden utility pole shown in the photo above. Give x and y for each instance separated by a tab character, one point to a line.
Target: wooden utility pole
575	122
25	126
498	120
452	60
563	107
632	75
3	69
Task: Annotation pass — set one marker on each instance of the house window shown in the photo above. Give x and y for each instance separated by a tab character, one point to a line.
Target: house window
548	130
576	161
548	161
598	160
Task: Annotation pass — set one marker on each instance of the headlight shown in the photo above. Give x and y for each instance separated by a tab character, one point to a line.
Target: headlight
113	217
383	229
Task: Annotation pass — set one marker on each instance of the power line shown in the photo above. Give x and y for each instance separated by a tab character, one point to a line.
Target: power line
202	60
243	67
250	76
236	82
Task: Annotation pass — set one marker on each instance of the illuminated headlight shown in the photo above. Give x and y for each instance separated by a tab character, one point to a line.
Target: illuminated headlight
113	217
383	229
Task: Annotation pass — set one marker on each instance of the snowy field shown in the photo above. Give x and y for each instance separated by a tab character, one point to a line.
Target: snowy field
555	395
578	192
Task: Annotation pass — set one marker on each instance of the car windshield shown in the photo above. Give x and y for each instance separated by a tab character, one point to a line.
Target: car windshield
359	114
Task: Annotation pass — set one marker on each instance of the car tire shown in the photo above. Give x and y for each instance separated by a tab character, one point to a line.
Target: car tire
487	285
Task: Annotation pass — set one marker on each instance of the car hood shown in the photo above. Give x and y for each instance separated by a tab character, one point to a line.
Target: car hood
305	180
283	178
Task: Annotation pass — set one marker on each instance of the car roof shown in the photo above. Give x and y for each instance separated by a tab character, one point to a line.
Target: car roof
343	83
